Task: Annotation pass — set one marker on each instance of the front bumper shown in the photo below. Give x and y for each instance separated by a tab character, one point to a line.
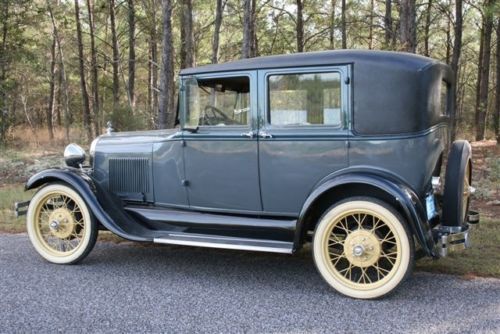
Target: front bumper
456	238
21	208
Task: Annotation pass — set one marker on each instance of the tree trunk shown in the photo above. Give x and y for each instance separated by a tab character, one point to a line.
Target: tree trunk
407	26
52	86
388	24
247	29
370	28
217	24
63	77
94	70
332	25
253	30
153	65
3	72
83	85
131	53
427	27
496	116
59	92
187	36
482	109
116	56
448	42
300	26
343	24
457	49
166	104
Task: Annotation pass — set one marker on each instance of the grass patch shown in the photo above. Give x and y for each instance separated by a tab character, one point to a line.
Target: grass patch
482	259
8	221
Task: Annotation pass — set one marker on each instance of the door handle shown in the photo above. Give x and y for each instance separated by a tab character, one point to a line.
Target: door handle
264	134
249	134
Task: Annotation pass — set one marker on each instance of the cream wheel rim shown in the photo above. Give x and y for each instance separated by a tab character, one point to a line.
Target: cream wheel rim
59	224
362	249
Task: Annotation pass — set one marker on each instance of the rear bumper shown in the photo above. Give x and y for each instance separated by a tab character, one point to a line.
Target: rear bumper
451	239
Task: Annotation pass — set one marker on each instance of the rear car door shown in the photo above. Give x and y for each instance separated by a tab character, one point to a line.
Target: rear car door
304	118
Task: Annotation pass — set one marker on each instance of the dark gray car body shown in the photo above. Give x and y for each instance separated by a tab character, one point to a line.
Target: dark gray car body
275	184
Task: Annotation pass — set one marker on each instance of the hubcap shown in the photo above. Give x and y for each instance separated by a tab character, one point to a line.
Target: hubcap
365	248
61	223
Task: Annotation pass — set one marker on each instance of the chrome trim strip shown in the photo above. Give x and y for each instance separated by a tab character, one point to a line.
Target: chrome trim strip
284	250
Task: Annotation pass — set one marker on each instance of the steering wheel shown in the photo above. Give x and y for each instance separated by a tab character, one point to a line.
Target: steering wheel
217	115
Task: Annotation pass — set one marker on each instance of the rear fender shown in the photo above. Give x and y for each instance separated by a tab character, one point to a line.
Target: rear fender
407	201
104	206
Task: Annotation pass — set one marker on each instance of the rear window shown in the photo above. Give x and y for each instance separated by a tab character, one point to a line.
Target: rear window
443	108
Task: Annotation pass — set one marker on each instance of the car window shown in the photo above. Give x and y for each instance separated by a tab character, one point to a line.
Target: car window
218	101
305	99
444	98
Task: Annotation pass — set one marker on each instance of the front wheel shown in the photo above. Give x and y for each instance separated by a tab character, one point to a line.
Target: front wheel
362	248
60	226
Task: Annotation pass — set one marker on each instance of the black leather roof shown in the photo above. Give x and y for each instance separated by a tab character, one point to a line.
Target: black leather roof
321	58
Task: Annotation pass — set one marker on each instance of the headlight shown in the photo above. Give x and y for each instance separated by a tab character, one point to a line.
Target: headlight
74	155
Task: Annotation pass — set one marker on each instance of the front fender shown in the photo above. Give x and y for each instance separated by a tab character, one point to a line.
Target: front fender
106	208
408	201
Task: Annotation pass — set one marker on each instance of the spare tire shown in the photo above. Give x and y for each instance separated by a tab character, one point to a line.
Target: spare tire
456	196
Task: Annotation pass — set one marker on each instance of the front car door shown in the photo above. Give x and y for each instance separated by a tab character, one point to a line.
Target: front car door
304	117
221	159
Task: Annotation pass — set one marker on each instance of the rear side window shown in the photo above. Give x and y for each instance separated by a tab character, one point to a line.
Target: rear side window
305	99
443	107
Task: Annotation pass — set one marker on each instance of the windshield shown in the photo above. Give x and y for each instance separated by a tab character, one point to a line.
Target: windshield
216	101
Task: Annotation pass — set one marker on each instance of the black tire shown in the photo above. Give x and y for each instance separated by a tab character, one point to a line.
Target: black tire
458	170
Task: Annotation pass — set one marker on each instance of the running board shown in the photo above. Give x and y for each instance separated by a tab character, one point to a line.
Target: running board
201	240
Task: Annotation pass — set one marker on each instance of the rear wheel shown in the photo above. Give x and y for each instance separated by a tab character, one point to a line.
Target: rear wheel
60	226
362	248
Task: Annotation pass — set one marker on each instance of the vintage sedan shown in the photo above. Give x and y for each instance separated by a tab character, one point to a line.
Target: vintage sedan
343	149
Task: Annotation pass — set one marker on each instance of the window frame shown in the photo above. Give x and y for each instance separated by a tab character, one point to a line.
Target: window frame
345	97
252	93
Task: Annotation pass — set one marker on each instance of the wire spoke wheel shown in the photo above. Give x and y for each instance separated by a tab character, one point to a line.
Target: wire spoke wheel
362	249
59	224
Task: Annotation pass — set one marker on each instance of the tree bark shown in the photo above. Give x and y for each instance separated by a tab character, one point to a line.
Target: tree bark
407	26
247	29
300	26
457	49
217	24
94	70
187	36
388	24
153	64
427	27
52	86
343	24
166	103
332	25
83	85
370	28
482	108
63	77
496	116
131	53
3	72
116	56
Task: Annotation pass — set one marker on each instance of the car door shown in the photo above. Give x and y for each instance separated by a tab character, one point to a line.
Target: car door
221	159
304	117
